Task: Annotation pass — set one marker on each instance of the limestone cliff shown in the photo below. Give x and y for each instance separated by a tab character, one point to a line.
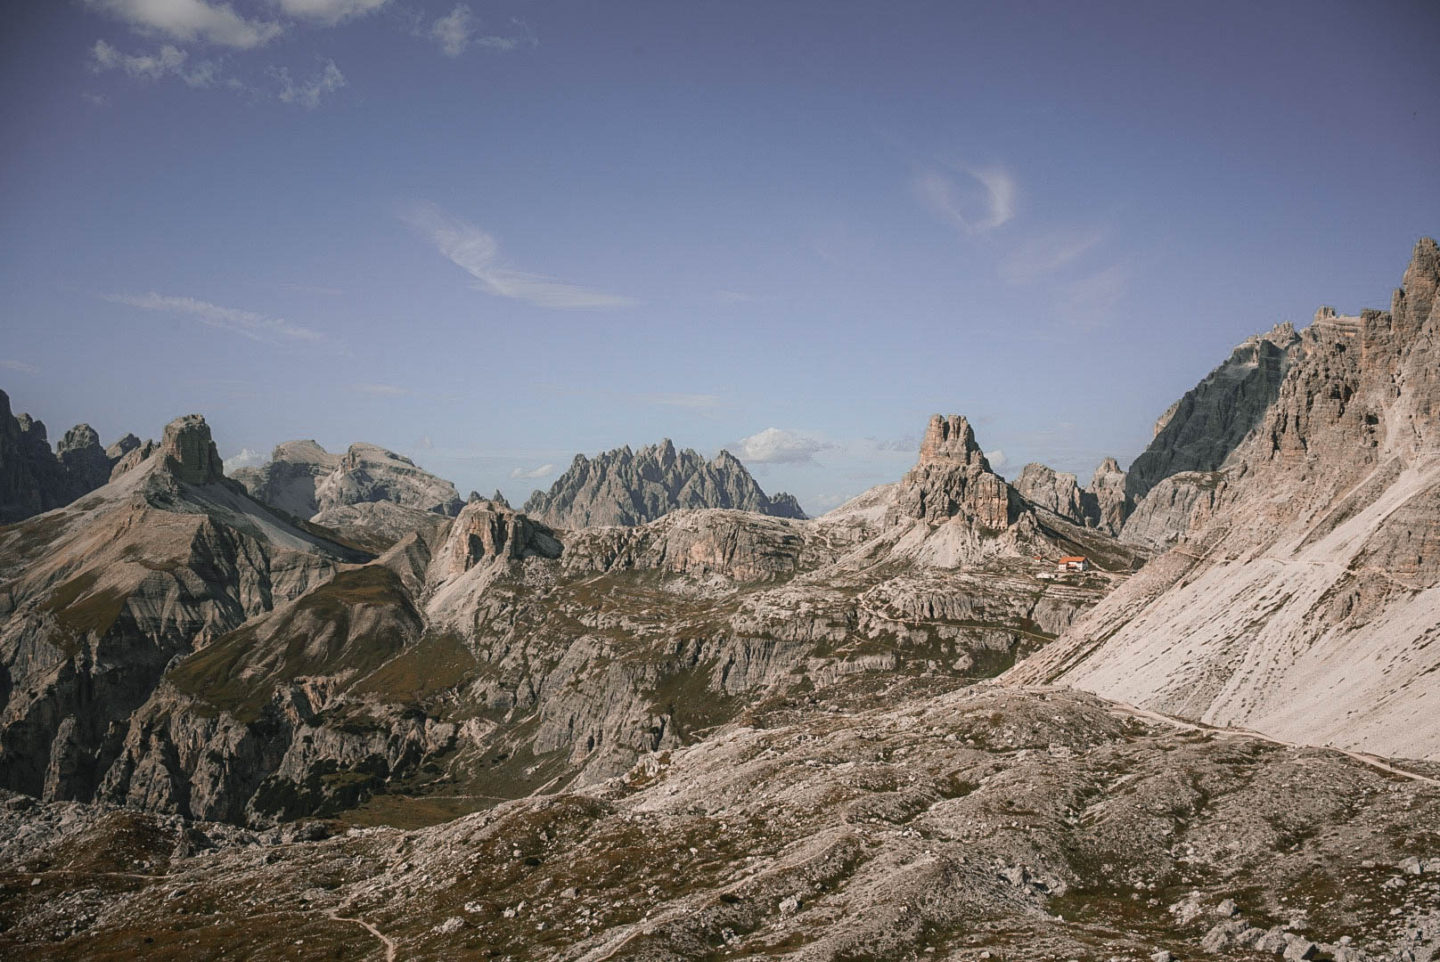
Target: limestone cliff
1200	430
1304	600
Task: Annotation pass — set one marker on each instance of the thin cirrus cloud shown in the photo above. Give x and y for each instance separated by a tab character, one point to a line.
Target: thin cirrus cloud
982	202
257	327
191	21
532	474
19	367
478	254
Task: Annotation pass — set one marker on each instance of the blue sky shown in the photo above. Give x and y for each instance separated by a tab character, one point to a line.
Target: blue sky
491	235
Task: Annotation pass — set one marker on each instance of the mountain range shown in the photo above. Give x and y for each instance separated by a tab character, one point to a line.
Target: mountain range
658	714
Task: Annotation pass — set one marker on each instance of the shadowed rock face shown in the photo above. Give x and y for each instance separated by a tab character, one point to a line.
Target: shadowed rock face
628	488
189	452
1200	430
33	479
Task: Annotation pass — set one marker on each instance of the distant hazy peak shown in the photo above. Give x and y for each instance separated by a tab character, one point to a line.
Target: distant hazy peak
628	487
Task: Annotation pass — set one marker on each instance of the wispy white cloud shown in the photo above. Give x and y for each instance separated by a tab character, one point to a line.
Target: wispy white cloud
1044	255
478	254
257	327
982	203
167	61
380	390
19	367
452	31
532	474
734	297
779	446
191	21
246	458
996	458
459	30
328	12
309	93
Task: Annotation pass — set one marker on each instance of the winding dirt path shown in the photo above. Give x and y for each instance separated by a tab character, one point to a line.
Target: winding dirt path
1370	761
389	943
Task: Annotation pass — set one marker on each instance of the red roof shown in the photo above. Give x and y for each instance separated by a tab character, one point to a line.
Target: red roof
1073	557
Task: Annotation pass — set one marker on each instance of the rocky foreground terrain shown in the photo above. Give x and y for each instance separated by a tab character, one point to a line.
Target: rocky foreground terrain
879	819
333	712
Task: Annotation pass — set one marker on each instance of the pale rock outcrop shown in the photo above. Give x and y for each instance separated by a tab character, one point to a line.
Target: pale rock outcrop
367	472
121	447
1047	488
132	459
485	531
622	487
1174	508
1112	504
368	494
288	480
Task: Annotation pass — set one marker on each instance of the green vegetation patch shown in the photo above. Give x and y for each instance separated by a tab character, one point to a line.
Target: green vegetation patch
239	671
79	610
437	663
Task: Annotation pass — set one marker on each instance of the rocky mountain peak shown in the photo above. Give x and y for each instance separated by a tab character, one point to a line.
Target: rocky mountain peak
87	465
33	427
126	444
1414	303
189	452
953	479
1199	431
625	487
951	439
80	437
305	480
